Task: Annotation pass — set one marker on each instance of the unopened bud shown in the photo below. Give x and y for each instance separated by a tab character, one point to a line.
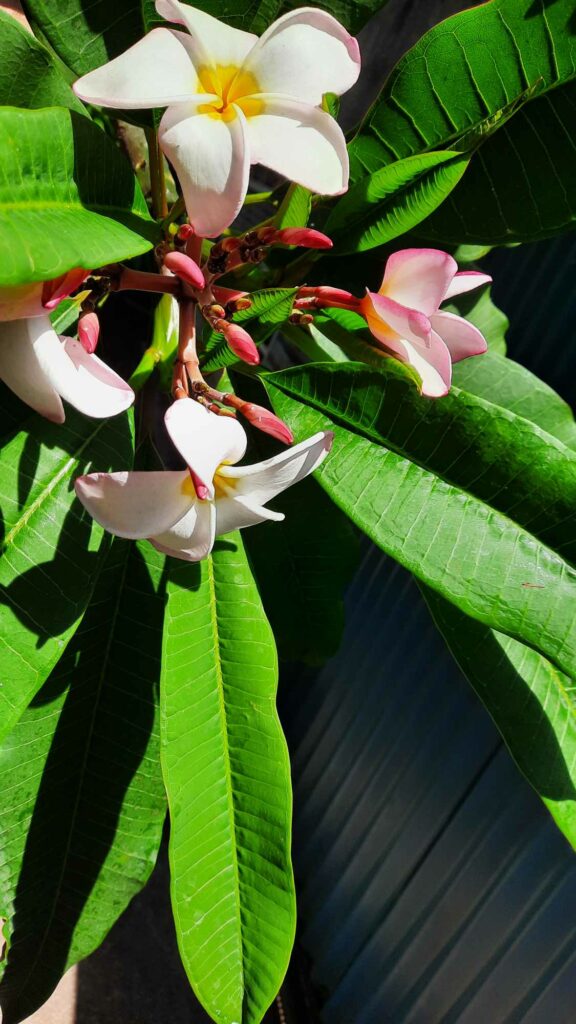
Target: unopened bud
237	305
308	238
267	422
185	268
185	231
300	319
229	244
325	295
240	342
61	287
88	332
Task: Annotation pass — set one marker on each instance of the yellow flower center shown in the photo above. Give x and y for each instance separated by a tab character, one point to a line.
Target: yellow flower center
223	486
234	87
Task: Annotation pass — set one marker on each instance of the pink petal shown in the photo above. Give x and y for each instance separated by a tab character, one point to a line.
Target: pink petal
433	365
466	281
387	319
136	505
204	439
418	278
461	337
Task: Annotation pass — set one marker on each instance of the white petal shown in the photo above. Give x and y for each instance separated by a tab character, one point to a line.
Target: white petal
305	54
192	537
210	157
418	278
84	380
22	370
259	483
301	142
461	337
236	513
136	505
156	71
220	43
204	439
466	281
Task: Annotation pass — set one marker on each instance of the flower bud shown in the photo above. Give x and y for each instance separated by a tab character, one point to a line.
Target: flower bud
241	343
88	332
185	231
185	268
61	287
324	295
308	238
266	421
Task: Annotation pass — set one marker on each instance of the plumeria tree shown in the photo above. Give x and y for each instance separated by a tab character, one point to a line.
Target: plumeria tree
176	509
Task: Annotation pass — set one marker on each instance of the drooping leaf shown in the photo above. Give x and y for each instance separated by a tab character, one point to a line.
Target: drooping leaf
393	200
227	777
87	35
270	307
463	79
52	551
68	198
474	500
82	803
29	74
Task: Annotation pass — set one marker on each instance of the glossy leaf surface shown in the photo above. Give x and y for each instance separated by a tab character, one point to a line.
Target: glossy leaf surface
476	501
82	803
51	549
393	200
489	75
29	74
227	777
270	307
68	198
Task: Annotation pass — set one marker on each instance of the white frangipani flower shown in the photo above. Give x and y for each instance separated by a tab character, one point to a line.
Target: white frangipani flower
181	512
234	99
43	368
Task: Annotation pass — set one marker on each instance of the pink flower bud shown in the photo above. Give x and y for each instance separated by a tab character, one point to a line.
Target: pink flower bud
202	491
308	238
88	332
185	268
267	421
241	343
185	231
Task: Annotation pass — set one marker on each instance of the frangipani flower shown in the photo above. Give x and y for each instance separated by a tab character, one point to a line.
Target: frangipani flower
40	297
182	512
233	100
405	315
42	369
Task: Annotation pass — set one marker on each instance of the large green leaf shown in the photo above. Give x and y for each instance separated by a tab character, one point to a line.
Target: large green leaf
393	200
51	549
465	77
87	35
29	74
82	803
476	501
68	198
227	776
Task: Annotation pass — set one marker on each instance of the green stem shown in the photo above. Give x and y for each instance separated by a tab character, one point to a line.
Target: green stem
176	211
257	197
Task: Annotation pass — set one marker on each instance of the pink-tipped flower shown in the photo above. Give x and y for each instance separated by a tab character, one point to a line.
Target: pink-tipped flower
61	287
88	331
266	421
185	268
407	322
37	298
240	342
307	238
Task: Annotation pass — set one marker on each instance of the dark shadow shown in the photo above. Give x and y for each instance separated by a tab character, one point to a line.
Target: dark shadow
520	717
119	25
106	729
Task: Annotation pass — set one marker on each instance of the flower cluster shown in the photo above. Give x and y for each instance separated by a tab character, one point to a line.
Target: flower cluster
231	99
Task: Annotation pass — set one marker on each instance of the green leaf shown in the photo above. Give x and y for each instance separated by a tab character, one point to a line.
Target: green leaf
461	79
29	74
294	210
477	502
87	35
227	777
82	803
51	549
270	307
68	198
532	703
393	200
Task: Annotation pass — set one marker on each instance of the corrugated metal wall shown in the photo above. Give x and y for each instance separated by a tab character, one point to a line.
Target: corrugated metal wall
433	886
